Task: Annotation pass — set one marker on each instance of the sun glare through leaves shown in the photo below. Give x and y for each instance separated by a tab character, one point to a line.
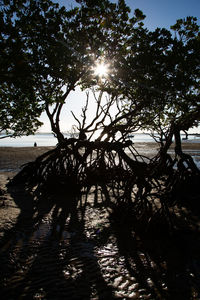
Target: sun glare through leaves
101	69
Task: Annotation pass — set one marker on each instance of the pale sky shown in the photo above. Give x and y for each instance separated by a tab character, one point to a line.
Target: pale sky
159	13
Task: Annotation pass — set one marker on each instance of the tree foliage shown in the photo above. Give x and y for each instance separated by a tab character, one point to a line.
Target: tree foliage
47	51
57	50
19	108
160	77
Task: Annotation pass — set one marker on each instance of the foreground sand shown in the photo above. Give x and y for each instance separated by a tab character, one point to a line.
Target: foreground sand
49	251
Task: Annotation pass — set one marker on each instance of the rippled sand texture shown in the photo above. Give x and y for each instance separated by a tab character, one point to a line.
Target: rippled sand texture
76	248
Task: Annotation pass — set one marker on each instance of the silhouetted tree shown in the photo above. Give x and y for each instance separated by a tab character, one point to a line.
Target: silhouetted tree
160	80
48	51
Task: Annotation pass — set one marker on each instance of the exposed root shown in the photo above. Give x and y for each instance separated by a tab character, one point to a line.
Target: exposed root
147	186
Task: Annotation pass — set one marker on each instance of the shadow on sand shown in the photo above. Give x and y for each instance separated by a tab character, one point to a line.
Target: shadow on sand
49	254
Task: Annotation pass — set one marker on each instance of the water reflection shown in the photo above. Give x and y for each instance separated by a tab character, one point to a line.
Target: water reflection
60	248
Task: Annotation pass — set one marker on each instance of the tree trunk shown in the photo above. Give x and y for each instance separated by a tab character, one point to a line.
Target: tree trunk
186	134
55	123
178	146
60	137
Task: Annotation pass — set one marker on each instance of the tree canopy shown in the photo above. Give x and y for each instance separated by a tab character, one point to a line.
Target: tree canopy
47	51
159	77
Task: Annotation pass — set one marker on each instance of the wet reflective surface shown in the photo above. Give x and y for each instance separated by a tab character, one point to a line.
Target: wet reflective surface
78	248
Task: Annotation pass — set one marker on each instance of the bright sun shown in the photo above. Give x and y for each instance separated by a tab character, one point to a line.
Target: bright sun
101	70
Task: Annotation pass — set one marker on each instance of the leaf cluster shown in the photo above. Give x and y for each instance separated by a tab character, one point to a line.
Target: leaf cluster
46	51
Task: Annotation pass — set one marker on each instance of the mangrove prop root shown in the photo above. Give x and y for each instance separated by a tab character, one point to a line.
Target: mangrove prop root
76	164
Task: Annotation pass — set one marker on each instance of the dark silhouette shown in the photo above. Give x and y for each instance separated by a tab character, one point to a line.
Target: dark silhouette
55	252
82	135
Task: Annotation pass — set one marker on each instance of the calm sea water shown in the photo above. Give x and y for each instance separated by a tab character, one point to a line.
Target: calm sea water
47	139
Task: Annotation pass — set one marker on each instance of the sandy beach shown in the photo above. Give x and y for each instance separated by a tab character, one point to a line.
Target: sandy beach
49	251
12	158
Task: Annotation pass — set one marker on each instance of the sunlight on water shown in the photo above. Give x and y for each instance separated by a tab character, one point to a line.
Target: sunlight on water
48	139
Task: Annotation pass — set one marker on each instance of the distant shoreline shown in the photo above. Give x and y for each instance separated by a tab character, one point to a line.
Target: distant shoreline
47	139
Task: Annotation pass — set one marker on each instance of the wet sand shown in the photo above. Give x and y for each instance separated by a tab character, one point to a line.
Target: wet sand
12	158
50	251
